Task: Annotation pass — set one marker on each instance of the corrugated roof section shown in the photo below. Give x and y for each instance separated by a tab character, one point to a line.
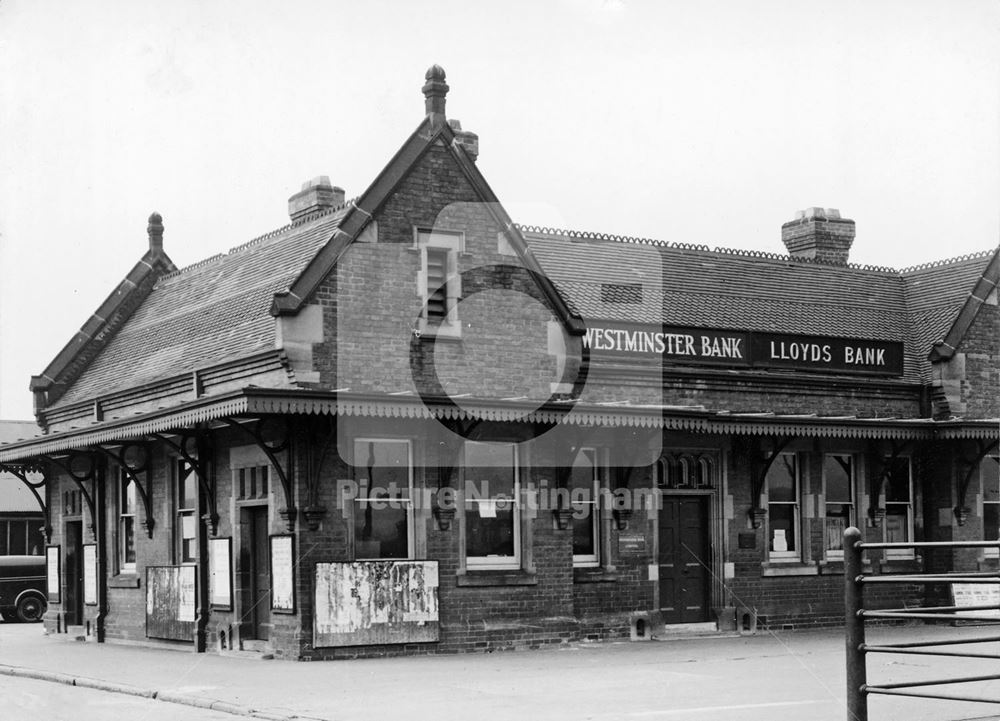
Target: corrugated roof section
207	313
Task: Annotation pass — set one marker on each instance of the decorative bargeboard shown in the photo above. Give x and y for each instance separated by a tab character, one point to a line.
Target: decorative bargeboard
364	603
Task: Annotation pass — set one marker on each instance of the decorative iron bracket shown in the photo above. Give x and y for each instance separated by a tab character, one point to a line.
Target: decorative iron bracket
315	456
21	472
970	465
283	445
133	464
80	478
194	450
760	465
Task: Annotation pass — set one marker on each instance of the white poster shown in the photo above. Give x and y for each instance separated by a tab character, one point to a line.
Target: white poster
220	572
52	573
90	574
186	601
282	575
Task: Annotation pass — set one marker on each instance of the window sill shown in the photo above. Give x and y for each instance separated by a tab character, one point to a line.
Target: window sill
595	575
124	580
898	565
513	577
789	568
444	333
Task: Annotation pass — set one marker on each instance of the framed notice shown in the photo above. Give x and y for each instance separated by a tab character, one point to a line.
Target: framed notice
220	572
90	574
282	574
52	573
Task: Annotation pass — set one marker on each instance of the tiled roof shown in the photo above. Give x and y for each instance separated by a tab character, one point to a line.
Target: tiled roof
207	313
685	285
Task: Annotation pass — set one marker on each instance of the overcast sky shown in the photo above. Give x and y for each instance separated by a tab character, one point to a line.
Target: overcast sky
696	122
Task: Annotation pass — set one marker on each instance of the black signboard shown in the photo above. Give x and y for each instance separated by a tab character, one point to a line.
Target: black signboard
743	349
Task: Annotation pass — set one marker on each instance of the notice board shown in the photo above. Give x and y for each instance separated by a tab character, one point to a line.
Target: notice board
376	602
90	574
977	594
170	602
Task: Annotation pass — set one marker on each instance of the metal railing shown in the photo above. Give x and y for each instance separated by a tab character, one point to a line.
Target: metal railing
855	581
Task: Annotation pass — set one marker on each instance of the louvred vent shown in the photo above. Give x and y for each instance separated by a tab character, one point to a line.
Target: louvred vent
437	275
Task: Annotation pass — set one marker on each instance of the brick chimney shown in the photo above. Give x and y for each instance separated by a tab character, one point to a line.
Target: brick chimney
468	140
316	195
819	233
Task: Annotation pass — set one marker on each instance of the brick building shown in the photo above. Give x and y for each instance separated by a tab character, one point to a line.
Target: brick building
403	423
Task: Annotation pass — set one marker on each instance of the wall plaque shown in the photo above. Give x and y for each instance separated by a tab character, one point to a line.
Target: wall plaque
631	544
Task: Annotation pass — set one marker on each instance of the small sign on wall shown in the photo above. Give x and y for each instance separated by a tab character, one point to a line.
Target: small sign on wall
90	574
52	573
631	544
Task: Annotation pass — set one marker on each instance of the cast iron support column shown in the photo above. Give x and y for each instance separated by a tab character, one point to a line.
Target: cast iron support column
101	537
854	626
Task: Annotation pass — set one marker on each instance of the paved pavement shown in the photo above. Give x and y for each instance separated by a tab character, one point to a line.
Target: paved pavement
789	675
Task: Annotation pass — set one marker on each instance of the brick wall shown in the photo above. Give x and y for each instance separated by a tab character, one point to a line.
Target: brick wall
980	390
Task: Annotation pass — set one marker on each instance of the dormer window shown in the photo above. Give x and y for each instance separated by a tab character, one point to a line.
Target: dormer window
438	284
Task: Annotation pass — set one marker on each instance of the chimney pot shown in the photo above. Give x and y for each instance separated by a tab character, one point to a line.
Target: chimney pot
468	140
155	231
316	195
820	234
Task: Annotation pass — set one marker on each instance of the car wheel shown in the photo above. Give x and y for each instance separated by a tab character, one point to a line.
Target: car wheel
30	609
8	615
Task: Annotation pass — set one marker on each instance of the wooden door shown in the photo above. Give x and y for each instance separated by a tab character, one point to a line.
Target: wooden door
685	559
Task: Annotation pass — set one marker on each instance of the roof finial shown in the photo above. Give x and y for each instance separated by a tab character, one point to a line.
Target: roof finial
435	90
155	231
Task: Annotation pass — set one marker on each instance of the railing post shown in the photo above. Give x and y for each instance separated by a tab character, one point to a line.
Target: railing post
854	626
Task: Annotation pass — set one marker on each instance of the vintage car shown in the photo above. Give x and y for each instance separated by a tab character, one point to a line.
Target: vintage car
22	588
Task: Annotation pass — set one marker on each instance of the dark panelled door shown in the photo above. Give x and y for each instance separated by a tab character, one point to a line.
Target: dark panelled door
685	559
256	574
74	573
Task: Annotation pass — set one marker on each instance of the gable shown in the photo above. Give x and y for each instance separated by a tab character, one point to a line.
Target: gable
439	189
373	292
